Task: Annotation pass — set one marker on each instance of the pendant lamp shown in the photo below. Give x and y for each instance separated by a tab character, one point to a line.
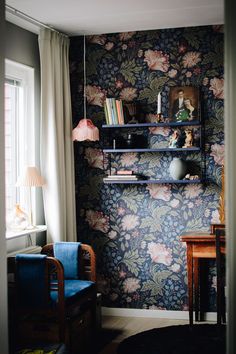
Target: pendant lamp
85	130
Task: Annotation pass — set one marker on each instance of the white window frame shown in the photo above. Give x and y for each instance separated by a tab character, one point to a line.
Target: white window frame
24	74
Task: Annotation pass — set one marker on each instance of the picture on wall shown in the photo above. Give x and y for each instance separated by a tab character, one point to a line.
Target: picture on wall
184	104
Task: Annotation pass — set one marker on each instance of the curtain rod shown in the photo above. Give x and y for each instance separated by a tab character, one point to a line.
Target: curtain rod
30	19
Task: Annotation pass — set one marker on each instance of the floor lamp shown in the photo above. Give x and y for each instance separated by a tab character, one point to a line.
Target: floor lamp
30	178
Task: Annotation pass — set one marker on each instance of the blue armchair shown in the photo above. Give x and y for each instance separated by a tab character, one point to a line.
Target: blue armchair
55	295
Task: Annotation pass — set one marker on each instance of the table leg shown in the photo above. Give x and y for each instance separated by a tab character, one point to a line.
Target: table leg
190	281
196	287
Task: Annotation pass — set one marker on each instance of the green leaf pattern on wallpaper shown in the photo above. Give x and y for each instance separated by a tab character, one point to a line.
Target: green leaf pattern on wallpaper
135	230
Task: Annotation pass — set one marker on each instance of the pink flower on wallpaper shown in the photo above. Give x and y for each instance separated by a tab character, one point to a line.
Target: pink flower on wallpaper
95	95
109	45
128	159
157	60
128	94
191	59
125	36
97	39
159	192
215	217
94	157
121	211
130	222
192	191
217	86
112	235
131	285
97	220
160	253
122	274
172	73
218	152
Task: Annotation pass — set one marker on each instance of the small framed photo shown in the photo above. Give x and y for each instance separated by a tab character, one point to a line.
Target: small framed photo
184	105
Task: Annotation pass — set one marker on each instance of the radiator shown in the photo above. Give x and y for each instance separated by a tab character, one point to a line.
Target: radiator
31	249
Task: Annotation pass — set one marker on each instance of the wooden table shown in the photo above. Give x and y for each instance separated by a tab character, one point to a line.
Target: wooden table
199	245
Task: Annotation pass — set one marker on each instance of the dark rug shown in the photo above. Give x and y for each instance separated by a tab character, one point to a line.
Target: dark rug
198	339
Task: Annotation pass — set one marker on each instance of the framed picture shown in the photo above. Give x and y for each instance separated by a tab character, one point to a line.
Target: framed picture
184	104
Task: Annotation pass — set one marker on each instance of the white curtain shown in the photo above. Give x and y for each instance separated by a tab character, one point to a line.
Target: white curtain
56	150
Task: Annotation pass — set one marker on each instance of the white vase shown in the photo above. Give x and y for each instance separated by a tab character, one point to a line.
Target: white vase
178	168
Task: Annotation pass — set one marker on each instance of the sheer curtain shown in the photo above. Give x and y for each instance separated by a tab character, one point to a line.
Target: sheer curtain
56	150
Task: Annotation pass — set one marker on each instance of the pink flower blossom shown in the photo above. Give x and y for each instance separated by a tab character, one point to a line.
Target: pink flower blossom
94	157
159	192
97	220
128	94
157	60
121	211
192	191
172	73
97	39
128	159
188	74
95	95
130	222
109	45
124	46
191	59
124	36
122	274
131	285
217	86
160	253
217	152
112	235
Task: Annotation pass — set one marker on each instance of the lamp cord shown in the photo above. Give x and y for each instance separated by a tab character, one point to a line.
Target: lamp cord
85	113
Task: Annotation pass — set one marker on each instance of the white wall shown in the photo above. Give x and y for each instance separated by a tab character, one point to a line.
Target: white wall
3	280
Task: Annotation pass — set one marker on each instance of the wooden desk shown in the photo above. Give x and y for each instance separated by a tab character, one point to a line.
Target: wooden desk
199	245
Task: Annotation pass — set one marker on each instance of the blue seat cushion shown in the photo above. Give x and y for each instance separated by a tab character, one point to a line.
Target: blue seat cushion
74	289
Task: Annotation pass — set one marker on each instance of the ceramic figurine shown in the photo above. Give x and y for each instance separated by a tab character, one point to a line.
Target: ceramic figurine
189	139
173	143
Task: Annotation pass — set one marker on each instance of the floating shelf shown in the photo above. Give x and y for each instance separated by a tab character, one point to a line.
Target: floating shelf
154	181
148	125
153	150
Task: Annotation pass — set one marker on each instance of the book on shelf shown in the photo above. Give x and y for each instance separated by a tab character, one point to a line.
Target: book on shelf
124	172
122	177
113	110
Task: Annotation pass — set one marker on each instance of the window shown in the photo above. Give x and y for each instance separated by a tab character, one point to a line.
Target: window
19	129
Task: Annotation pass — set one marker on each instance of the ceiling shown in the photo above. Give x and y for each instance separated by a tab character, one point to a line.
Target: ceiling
76	17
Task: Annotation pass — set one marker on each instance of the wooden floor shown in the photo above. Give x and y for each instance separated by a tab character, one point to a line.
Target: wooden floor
115	329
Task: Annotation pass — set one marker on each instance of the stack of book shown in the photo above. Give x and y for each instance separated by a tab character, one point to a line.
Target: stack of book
122	175
114	111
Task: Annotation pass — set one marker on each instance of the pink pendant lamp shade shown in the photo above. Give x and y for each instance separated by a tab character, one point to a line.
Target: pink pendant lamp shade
85	130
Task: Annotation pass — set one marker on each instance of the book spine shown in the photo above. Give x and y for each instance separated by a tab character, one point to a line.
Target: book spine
114	111
106	114
109	111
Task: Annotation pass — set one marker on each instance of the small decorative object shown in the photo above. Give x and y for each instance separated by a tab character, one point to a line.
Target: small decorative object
132	110
178	168
159	103
191	177
184	104
174	140
189	138
18	219
222	198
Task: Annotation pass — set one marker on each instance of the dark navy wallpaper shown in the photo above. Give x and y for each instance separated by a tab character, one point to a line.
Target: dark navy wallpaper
135	229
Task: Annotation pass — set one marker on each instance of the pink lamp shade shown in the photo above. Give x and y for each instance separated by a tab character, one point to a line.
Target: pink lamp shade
30	178
85	130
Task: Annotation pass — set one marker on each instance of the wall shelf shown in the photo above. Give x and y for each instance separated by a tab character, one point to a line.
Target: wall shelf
154	150
154	181
149	125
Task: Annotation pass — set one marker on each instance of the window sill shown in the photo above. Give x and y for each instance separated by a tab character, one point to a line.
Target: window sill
15	234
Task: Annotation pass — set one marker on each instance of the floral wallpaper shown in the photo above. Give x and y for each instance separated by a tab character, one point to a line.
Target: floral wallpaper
135	229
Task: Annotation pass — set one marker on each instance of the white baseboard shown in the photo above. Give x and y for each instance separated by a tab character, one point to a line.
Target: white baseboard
173	315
